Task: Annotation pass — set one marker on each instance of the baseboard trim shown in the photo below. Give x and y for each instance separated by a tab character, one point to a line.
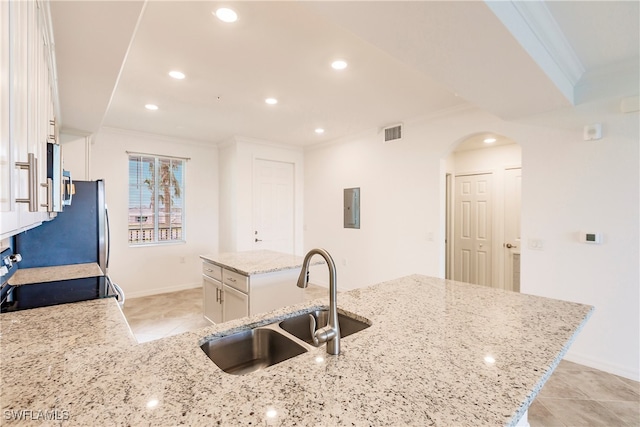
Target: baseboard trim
602	365
167	289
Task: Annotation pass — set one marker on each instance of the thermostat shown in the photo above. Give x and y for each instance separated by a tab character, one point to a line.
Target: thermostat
587	237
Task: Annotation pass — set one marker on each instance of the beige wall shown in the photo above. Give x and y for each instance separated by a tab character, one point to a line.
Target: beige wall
237	158
568	185
145	270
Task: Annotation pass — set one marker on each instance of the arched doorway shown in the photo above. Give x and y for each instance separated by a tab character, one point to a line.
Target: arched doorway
483	180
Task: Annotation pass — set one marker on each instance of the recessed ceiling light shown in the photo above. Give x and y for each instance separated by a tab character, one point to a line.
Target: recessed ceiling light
271	101
151	107
339	64
226	15
177	75
489	140
319	130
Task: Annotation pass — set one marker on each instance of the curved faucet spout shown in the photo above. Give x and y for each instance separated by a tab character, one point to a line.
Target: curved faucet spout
331	332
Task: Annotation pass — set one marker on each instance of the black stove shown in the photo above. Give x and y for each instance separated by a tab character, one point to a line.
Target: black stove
35	295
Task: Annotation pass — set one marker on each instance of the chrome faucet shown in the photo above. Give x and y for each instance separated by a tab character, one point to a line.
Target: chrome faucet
331	332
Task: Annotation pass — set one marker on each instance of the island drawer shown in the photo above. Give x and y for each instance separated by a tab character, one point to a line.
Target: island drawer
235	280
212	270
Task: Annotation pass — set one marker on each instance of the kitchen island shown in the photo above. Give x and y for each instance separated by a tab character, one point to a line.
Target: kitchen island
437	353
240	284
253	263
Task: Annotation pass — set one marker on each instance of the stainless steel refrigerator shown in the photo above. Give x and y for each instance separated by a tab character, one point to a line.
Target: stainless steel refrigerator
78	235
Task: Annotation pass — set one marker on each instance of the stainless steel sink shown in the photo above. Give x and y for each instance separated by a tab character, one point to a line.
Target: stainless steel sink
299	326
251	350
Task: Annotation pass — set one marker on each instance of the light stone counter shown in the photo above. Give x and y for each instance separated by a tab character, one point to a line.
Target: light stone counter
257	262
424	361
28	276
56	329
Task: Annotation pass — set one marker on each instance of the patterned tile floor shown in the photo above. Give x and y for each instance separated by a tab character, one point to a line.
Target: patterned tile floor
574	396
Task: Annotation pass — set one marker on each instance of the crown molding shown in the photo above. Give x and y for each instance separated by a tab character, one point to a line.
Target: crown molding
551	36
614	80
373	132
533	25
167	138
266	143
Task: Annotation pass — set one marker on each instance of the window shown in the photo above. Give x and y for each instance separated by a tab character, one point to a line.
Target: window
156	199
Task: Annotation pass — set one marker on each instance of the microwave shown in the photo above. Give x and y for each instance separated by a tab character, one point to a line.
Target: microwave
59	183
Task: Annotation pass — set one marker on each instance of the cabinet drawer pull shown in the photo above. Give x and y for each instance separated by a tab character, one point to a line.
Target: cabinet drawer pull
49	186
231	279
30	165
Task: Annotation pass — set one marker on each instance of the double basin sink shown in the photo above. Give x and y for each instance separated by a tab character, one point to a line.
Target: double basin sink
258	348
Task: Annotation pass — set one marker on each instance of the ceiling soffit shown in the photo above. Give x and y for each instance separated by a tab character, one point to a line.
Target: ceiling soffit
91	39
538	33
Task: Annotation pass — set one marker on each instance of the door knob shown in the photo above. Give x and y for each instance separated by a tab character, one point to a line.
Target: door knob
258	240
509	246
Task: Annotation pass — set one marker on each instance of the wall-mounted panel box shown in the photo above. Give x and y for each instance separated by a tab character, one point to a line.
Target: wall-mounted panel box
352	207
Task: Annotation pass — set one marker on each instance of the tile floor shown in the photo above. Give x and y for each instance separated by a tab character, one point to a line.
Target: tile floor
163	315
574	396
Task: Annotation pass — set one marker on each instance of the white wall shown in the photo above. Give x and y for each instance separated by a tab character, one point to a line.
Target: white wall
568	185
237	159
75	155
228	167
572	185
396	213
146	270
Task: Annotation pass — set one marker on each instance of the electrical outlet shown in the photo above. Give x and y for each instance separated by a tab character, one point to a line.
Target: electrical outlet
344	262
182	260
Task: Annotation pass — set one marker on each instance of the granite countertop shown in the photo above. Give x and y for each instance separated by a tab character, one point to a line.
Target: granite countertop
423	361
257	262
28	276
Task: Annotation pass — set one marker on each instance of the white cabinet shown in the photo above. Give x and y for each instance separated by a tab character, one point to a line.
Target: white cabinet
225	292
212	292
230	295
235	291
236	303
27	93
235	280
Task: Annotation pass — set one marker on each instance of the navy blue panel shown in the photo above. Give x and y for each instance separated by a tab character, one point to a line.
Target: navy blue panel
70	238
60	292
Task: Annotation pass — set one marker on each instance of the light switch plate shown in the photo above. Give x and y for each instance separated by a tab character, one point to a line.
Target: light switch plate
536	244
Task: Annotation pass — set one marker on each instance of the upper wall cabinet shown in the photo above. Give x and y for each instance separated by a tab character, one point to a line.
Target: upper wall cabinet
27	117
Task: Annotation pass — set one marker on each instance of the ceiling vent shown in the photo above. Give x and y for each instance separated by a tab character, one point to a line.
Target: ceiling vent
393	133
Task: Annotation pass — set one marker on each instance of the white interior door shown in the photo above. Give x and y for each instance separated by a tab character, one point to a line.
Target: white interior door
512	242
273	206
472	229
